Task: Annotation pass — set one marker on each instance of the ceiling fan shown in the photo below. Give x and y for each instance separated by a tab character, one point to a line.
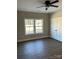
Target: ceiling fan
48	4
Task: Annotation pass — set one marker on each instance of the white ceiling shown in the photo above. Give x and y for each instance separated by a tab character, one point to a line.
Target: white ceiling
31	6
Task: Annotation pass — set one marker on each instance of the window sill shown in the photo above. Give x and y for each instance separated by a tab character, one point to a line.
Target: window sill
35	34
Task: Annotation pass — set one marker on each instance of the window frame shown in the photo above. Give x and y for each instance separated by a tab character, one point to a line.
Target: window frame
34	26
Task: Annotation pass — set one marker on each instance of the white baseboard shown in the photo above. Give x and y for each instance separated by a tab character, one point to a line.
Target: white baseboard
31	39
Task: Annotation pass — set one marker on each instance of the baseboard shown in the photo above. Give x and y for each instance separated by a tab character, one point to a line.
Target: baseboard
22	40
56	40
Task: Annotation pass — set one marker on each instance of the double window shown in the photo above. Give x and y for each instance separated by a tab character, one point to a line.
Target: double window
33	26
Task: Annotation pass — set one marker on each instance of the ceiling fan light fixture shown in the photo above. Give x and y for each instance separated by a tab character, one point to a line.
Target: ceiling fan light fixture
46	9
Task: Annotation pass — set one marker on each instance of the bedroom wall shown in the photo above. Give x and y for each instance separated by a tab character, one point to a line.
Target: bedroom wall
21	15
56	25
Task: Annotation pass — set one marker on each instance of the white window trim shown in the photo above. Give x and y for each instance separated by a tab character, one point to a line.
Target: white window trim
35	28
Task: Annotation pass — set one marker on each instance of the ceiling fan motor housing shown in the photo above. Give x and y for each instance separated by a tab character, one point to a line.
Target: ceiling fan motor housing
47	3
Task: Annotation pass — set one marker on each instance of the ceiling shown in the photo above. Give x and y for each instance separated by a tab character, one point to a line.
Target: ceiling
31	6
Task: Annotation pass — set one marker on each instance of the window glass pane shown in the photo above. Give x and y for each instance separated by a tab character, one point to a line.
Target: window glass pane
38	22
39	26
29	30
39	30
29	22
29	26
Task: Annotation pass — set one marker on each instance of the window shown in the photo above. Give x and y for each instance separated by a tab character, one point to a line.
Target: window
33	26
39	26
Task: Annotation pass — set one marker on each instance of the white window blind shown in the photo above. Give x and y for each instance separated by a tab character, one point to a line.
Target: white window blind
29	26
33	26
39	26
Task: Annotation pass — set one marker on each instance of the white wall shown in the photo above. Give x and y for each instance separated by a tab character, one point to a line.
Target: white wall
56	25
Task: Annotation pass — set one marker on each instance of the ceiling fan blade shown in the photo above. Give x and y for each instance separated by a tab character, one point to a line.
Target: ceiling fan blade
54	1
54	5
40	6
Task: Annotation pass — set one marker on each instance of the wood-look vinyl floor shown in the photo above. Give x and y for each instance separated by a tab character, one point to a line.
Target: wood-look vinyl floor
39	49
